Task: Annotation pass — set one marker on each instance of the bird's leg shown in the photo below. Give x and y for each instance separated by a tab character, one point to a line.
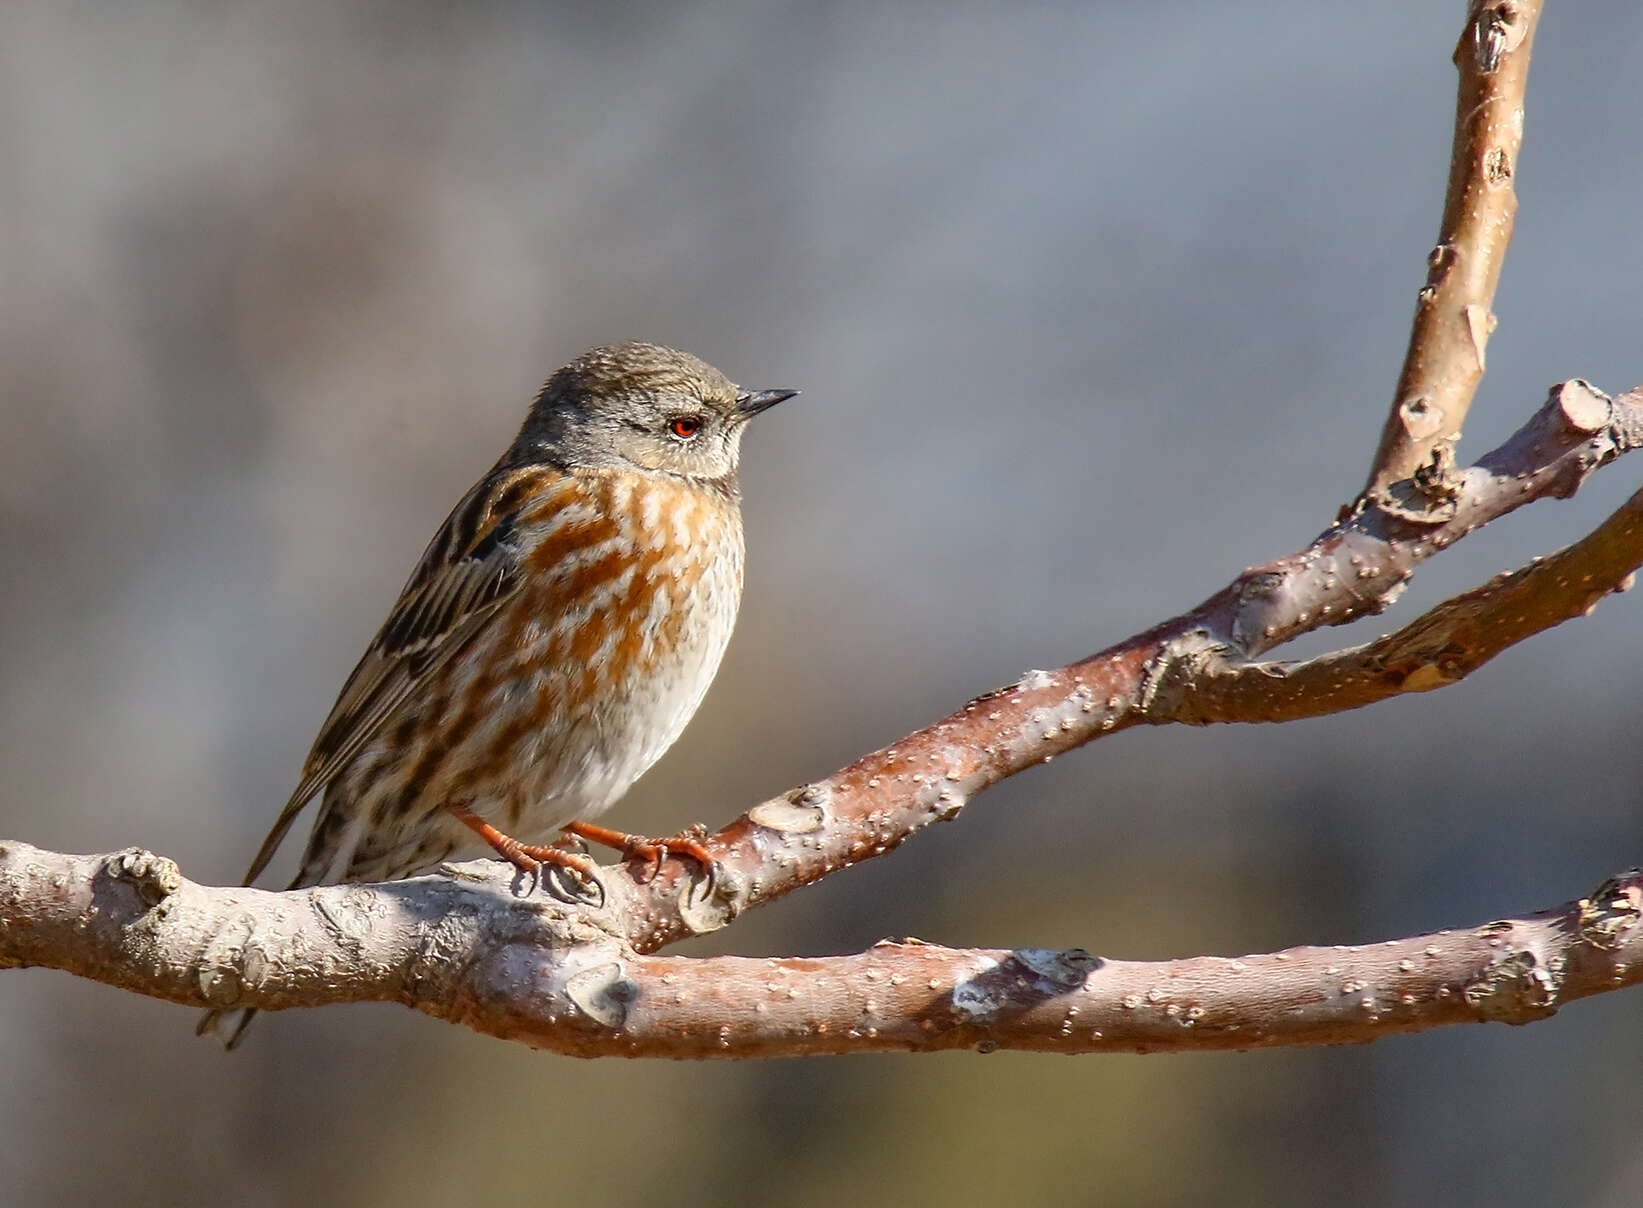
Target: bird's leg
652	851
526	857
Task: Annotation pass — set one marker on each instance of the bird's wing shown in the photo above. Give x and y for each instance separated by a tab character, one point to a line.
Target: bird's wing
466	574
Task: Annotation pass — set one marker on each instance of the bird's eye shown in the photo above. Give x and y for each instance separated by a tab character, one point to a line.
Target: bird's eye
685	427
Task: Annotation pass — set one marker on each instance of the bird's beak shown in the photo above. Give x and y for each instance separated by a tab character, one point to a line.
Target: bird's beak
750	402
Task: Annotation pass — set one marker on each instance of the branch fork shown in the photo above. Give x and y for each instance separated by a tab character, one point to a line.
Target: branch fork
474	948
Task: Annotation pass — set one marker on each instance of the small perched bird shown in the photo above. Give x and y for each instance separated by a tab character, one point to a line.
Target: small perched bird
561	628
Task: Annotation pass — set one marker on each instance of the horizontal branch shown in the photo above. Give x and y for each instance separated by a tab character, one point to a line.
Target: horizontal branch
458	949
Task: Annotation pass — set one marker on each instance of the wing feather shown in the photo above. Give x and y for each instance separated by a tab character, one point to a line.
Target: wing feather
469	570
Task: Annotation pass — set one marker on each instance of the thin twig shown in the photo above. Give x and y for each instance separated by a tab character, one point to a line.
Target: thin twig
1453	312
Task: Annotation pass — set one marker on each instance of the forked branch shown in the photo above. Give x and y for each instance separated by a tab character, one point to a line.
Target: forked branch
476	947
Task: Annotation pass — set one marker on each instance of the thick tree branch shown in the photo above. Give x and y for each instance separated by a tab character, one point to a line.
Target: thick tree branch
460	950
1453	313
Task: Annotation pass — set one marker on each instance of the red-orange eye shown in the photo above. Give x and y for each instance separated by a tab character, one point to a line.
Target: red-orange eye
685	427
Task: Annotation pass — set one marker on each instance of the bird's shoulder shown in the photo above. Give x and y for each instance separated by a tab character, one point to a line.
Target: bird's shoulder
468	571
483	526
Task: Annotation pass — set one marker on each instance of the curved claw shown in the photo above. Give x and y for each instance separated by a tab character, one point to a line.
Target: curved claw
712	872
530	859
589	889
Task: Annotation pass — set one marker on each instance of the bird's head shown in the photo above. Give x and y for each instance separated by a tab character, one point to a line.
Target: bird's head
645	406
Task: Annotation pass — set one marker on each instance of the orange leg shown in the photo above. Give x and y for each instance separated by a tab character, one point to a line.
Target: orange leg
526	857
651	851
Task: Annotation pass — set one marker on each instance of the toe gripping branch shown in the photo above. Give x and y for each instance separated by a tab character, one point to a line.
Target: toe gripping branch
653	852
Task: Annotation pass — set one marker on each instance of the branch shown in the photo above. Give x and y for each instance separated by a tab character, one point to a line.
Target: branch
1194	667
459	950
1453	315
1438	648
580	978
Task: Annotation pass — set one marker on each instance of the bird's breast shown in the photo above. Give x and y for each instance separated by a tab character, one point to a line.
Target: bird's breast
630	595
630	574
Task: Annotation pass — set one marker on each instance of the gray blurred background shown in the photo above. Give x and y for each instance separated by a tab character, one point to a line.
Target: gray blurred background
1093	305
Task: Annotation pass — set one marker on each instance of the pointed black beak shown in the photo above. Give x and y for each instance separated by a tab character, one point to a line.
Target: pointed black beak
750	402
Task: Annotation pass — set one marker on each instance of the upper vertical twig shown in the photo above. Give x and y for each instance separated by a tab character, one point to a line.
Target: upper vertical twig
1453	313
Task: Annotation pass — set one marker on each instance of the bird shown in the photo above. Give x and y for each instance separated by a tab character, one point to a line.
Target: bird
559	631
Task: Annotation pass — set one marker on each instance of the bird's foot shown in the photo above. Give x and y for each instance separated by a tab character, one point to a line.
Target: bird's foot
653	852
531	859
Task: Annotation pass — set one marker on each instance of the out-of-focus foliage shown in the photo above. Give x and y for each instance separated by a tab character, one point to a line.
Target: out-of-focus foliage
1093	305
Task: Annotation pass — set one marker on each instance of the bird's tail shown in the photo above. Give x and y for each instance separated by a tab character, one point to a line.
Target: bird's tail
211	1023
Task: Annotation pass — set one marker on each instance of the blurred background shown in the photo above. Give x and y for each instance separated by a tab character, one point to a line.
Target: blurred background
1093	305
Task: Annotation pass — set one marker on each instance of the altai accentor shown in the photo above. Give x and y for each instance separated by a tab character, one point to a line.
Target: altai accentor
560	630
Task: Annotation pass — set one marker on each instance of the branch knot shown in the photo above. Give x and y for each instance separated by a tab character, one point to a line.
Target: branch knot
1615	907
1518	985
155	878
